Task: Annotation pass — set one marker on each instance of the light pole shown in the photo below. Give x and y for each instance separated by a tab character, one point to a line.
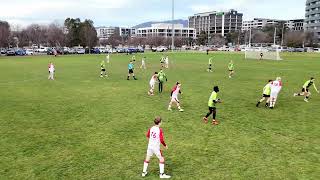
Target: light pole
282	34
173	33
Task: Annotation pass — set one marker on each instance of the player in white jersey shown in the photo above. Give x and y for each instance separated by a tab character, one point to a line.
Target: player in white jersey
166	62
155	136
176	90
152	83
51	71
108	58
275	90
143	63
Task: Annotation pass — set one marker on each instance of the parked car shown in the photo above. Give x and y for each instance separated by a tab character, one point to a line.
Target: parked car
80	51
20	52
132	50
112	50
11	52
72	51
121	50
162	49
317	50
3	51
95	51
42	50
102	50
29	52
140	50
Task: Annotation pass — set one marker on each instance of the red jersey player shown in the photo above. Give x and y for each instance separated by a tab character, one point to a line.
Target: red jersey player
155	136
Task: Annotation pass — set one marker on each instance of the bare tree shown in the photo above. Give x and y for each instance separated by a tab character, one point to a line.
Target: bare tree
56	36
294	39
37	34
217	39
4	33
114	40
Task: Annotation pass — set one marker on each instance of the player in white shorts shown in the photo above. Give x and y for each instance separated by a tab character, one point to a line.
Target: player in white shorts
51	71
166	61
155	136
176	90
108	58
275	90
152	83
143	63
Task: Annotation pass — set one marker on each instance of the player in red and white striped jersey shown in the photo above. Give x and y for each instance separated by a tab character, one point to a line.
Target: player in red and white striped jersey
152	83
275	90
176	90
155	136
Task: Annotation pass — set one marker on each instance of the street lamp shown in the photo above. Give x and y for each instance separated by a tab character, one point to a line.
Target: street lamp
173	33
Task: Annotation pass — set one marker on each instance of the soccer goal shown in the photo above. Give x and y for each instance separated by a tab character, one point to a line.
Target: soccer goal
262	53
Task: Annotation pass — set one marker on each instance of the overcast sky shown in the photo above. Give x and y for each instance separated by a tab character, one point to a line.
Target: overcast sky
133	12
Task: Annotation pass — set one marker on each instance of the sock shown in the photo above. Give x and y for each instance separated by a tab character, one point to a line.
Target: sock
307	97
169	106
161	166
145	166
179	107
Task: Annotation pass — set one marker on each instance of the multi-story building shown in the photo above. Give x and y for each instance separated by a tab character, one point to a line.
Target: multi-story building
216	22
106	32
313	17
165	30
259	23
295	24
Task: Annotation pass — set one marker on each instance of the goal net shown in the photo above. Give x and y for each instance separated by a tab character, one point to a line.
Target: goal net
262	53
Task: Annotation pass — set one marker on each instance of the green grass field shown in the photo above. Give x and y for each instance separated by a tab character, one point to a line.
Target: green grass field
84	127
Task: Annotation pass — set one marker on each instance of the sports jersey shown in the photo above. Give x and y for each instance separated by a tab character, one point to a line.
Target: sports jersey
213	97
155	135
210	61
276	86
175	91
307	84
162	76
103	65
231	66
130	66
162	60
153	79
51	68
267	89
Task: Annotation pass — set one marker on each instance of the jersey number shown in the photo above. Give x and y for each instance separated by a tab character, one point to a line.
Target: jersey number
153	135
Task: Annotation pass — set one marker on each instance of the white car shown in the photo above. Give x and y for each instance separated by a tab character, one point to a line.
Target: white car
81	51
29	52
42	50
102	50
161	49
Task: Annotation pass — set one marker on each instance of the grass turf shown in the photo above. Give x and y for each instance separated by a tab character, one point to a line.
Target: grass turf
84	127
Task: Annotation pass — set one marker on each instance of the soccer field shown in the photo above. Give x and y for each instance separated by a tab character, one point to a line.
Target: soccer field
81	126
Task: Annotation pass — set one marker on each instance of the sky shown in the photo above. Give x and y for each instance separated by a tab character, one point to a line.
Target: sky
128	13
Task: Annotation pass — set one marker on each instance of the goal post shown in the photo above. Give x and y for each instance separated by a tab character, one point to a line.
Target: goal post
262	53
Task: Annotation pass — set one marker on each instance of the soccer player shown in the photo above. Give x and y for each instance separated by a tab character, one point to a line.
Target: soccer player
143	63
108	58
210	65
275	90
51	71
103	72
167	62
176	90
155	136
305	89
152	83
266	94
133	58
161	77
261	56
131	68
213	100
162	61
231	69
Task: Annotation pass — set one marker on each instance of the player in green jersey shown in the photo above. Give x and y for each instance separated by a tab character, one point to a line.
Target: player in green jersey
305	89
266	94
231	69
103	72
162	77
213	100
210	65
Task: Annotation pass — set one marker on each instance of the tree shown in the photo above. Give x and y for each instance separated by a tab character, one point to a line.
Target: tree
4	33
114	40
55	35
88	34
37	34
73	31
259	36
233	38
294	39
217	39
310	39
203	38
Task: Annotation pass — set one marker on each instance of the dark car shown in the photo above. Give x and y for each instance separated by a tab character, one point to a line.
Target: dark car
132	50
11	52
95	51
140	50
51	51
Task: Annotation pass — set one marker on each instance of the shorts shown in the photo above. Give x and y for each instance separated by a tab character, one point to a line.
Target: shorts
212	108
264	95
152	85
305	90
230	70
274	94
157	152
210	65
103	70
175	99
130	71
